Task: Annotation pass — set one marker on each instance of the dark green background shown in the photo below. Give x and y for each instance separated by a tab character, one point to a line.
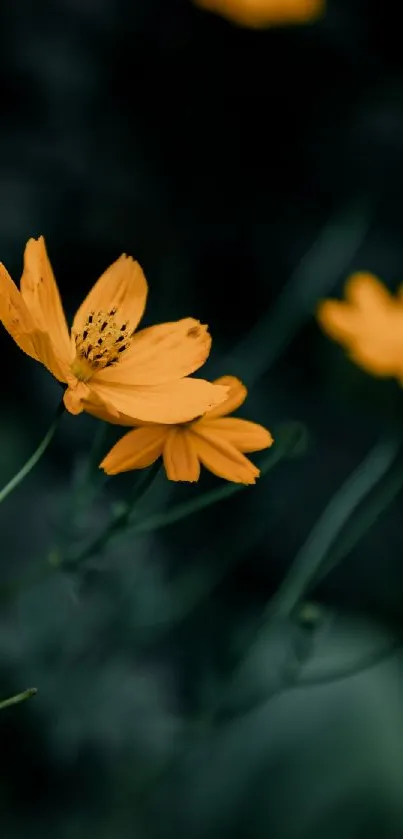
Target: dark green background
249	173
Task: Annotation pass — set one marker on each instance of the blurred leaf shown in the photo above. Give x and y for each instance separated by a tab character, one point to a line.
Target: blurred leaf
253	668
312	556
365	517
326	261
271	663
344	646
302	759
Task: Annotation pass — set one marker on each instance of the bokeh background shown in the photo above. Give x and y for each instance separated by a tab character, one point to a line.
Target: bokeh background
249	172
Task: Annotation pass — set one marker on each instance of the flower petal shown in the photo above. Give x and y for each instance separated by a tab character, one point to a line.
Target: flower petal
222	458
382	357
122	286
237	394
244	435
338	319
174	402
101	411
162	354
41	295
262	13
18	321
370	326
15	315
367	293
136	450
180	456
74	397
48	356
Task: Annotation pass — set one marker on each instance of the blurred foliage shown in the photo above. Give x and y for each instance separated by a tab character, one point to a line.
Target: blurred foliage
249	172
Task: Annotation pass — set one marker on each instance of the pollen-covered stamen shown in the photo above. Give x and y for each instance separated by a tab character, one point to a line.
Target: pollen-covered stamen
100	344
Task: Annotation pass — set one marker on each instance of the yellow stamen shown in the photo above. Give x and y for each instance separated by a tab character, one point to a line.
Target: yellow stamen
101	344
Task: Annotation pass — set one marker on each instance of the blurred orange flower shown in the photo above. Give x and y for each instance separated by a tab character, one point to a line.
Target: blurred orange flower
261	13
369	324
214	440
104	366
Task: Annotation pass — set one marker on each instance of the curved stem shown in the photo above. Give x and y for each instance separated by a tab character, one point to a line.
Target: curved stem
289	442
33	460
323	264
19	697
363	521
313	554
117	523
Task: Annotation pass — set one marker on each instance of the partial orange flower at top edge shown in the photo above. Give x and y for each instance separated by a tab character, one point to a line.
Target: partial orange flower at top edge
215	440
262	13
104	365
368	324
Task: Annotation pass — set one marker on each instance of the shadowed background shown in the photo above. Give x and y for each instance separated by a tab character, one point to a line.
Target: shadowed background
249	172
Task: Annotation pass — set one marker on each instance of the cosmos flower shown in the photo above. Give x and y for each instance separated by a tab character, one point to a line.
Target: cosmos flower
214	440
105	367
368	324
262	13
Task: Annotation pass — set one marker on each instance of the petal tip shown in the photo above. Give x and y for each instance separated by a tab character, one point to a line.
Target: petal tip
33	242
329	313
321	308
220	395
251	479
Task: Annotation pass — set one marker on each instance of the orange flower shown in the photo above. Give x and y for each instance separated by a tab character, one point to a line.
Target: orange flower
104	366
214	440
261	13
369	324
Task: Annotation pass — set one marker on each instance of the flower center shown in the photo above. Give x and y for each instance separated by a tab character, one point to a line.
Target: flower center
100	344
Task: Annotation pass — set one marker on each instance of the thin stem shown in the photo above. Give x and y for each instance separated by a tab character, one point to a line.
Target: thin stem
314	552
19	697
83	489
118	522
327	259
33	460
290	442
291	439
362	522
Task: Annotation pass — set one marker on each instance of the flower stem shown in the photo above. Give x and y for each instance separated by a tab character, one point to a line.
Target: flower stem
289	441
313	555
324	263
364	519
117	523
33	460
19	697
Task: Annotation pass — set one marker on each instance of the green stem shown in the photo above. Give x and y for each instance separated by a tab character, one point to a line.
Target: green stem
33	460
118	522
314	552
320	268
289	442
19	697
83	489
363	521
198	581
291	438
